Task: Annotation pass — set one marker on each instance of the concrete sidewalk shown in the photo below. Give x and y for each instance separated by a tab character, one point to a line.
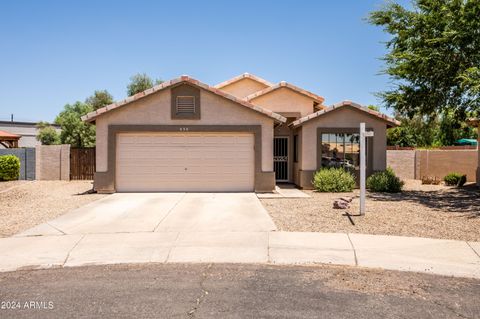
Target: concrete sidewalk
443	257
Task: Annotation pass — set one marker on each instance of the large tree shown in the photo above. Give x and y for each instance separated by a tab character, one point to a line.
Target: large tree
141	82
433	56
74	131
99	99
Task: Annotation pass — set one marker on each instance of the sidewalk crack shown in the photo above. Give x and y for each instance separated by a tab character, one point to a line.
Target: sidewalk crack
203	294
168	213
353	248
70	251
474	251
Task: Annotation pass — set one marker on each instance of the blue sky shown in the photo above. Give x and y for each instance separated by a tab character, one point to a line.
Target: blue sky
58	52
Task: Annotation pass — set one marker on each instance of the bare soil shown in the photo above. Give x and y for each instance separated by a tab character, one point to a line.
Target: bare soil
433	211
27	204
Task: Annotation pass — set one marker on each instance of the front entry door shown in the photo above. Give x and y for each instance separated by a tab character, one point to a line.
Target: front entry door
280	158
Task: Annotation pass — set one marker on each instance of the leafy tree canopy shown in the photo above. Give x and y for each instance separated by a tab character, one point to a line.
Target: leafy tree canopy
47	134
141	82
424	131
99	99
433	56
74	131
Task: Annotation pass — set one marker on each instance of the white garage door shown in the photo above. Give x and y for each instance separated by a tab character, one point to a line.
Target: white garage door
184	162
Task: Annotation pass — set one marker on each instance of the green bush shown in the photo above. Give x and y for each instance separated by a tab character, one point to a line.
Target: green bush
9	167
455	179
333	180
385	181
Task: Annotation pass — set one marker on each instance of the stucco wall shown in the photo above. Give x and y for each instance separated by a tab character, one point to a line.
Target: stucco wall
402	162
343	118
285	100
244	87
155	110
52	162
438	163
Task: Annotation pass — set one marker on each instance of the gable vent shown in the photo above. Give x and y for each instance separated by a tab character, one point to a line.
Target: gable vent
185	104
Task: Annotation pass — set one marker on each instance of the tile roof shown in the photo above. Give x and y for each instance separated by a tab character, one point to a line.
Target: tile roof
241	77
7	135
284	84
183	79
389	120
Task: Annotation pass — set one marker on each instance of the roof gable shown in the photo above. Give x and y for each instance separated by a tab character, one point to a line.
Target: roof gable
390	121
90	117
284	84
241	77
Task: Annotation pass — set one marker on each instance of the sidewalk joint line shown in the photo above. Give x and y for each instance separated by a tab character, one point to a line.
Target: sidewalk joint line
353	248
70	251
55	228
474	251
168	213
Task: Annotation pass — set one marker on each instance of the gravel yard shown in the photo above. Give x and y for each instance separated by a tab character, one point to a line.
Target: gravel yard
27	204
433	211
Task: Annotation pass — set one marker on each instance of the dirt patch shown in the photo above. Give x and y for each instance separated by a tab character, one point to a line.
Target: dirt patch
433	211
31	203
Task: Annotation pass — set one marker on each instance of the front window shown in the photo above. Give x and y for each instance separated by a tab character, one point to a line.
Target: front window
341	150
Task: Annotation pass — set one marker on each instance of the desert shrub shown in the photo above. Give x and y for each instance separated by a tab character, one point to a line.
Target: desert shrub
333	180
455	179
9	167
384	181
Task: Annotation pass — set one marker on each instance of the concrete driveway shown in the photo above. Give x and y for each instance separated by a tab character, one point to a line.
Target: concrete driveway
162	212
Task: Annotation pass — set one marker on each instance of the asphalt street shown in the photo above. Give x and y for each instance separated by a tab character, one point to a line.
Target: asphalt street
234	291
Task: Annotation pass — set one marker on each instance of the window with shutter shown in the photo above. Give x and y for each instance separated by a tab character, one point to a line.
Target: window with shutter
185	105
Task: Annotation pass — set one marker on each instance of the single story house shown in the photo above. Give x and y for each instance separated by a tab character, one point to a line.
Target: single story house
475	122
245	134
27	131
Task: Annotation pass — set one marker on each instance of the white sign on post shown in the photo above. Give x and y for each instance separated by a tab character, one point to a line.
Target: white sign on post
363	166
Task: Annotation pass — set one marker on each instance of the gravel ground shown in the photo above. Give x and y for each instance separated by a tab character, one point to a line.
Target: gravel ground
31	203
4	186
433	211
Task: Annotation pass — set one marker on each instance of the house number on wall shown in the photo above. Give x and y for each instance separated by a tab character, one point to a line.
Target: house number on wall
183	129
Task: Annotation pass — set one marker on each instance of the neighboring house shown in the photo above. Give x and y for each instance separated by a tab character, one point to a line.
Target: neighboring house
9	140
475	122
244	134
28	132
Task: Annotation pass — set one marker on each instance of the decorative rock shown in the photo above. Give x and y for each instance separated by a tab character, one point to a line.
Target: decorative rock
341	204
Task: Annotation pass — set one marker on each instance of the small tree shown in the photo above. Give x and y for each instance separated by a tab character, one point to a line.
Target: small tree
141	82
48	135
99	99
74	131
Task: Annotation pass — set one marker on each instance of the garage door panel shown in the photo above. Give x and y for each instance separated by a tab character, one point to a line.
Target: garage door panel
185	162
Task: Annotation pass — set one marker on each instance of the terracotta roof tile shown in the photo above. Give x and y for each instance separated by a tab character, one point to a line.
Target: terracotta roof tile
4	134
284	84
391	121
183	79
241	77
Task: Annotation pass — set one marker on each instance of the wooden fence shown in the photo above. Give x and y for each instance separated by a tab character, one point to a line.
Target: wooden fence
82	163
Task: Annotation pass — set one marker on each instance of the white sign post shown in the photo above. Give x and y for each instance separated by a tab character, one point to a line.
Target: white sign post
363	166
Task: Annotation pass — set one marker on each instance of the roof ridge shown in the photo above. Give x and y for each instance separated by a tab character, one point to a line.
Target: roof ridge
281	84
245	75
342	104
182	79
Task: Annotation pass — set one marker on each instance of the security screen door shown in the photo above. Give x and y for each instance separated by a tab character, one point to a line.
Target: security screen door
280	158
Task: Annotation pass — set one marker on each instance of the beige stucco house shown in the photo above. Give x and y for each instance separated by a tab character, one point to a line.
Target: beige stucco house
245	134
